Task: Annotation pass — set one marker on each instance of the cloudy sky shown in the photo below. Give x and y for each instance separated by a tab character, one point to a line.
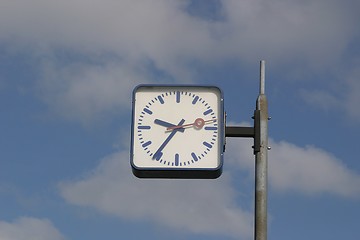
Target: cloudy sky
67	70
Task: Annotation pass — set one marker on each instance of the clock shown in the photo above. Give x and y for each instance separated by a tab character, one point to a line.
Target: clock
177	131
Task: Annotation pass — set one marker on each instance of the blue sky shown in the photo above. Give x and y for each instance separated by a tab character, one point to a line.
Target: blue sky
67	70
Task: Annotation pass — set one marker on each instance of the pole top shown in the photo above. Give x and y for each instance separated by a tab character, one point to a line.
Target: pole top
262	77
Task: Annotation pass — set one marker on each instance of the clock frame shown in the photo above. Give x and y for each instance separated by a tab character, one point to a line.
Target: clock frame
177	131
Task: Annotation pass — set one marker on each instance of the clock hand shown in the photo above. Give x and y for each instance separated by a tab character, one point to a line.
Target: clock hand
166	124
198	123
158	153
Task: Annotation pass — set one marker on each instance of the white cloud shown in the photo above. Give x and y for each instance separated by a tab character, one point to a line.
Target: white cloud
308	170
352	99
26	228
312	170
158	30
209	206
344	97
321	98
85	92
198	206
290	32
307	35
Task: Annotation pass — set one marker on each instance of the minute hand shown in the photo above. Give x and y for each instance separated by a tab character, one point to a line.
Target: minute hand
158	153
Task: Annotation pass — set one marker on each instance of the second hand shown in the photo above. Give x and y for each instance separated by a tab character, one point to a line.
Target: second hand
199	123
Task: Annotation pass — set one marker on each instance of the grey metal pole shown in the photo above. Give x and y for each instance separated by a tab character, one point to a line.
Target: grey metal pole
260	231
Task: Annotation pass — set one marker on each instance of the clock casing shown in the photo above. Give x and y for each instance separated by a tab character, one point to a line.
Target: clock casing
177	131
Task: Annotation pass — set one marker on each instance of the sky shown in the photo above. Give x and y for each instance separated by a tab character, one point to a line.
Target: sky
67	72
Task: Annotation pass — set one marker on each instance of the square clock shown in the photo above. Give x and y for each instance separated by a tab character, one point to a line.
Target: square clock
177	131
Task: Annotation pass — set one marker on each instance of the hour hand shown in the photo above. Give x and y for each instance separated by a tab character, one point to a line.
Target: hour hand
167	124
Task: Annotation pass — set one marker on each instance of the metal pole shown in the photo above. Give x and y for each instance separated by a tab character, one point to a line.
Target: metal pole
260	232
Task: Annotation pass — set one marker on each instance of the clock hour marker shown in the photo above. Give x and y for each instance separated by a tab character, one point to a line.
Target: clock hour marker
210	128
148	111
194	156
195	100
144	127
178	96
161	99
146	144
177	159
208	111
207	144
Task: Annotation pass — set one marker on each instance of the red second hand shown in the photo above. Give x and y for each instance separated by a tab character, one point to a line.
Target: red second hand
191	124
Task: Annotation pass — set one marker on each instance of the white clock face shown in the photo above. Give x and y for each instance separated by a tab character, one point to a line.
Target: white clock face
177	127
